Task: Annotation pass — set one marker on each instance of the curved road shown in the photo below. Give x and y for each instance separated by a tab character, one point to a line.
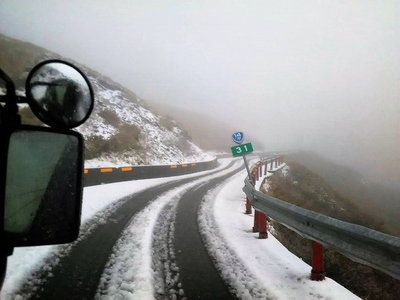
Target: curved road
77	275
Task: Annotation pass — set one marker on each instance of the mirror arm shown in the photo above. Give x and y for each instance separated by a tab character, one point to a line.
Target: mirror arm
10	87
19	99
9	115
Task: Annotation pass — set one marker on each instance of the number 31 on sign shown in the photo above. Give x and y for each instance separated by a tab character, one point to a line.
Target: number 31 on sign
242	149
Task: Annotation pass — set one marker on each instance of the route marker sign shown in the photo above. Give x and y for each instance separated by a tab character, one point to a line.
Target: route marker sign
238	137
242	149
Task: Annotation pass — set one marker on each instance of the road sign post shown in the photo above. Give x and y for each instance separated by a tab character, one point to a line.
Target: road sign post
248	170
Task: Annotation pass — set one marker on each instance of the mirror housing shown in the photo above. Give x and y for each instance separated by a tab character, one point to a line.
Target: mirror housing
59	94
41	190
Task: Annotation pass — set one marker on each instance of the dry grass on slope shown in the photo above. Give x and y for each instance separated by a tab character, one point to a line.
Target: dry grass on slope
126	139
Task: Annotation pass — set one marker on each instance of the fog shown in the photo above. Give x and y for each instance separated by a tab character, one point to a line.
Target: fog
312	75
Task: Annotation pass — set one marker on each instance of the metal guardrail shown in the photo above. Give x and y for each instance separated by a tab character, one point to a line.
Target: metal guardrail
367	246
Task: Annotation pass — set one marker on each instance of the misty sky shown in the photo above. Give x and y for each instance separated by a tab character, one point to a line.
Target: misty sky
298	74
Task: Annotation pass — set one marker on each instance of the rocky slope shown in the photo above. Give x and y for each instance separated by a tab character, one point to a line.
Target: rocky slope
122	129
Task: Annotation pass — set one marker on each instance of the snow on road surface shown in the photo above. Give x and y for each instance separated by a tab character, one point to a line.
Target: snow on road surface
129	274
256	269
98	201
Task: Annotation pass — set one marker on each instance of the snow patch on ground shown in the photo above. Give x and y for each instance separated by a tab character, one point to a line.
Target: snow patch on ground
285	170
265	186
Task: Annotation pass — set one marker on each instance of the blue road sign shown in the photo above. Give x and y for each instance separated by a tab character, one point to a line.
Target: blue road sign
238	137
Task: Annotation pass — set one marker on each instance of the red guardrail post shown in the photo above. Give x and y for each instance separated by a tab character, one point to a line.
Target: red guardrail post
255	227
256	216
317	272
265	168
262	226
276	162
260	169
248	206
272	164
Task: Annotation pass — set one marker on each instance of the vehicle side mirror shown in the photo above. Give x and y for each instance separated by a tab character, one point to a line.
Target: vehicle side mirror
59	94
43	170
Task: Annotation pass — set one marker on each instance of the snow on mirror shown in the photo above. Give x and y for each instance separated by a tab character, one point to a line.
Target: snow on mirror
59	94
41	188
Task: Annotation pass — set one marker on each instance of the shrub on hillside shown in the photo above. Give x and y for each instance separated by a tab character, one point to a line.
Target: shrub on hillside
110	117
94	146
126	139
167	123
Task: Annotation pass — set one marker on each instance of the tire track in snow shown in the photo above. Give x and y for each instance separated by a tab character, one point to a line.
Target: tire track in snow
166	271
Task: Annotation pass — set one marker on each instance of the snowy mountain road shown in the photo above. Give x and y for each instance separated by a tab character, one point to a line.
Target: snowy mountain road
81	272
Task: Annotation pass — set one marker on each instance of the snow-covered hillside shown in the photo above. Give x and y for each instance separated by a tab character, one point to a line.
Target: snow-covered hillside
161	140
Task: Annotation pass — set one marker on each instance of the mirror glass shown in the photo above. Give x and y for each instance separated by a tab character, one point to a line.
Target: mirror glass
59	95
42	190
